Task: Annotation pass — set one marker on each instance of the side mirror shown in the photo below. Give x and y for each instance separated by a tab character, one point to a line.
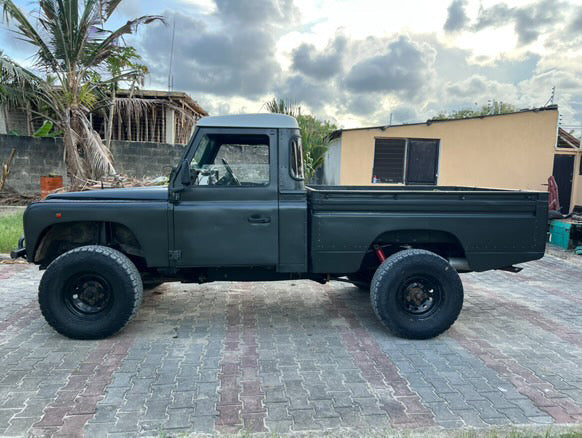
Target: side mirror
186	177
172	173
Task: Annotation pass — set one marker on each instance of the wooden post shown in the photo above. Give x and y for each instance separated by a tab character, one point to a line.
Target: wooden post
3	120
6	169
170	125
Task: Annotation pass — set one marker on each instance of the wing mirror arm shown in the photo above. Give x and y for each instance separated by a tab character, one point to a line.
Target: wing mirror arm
181	179
185	176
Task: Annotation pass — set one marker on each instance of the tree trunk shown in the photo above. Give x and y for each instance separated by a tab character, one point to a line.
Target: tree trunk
111	117
72	159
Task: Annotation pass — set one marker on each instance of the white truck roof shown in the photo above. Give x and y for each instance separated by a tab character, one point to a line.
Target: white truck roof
249	121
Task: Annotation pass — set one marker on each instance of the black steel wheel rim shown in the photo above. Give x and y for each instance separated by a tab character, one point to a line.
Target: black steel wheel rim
420	295
88	294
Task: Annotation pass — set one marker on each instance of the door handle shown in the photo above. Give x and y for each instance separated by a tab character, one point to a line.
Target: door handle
256	219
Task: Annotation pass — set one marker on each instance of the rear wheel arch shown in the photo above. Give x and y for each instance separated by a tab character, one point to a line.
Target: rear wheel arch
443	243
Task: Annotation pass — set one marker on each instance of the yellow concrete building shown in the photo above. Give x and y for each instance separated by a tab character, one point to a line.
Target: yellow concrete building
513	151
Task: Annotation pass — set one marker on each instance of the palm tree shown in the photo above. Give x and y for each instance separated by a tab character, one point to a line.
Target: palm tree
72	52
314	133
283	106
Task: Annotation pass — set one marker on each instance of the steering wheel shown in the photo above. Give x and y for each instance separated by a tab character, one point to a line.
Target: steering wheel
231	173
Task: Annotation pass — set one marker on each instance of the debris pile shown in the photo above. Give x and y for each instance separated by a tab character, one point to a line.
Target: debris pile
9	197
115	182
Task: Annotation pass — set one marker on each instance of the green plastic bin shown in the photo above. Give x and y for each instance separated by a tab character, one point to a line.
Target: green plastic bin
560	233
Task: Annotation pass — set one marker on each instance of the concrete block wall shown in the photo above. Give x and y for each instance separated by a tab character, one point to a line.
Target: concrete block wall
145	160
40	157
35	157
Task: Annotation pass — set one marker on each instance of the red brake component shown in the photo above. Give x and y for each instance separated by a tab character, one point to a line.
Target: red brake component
380	253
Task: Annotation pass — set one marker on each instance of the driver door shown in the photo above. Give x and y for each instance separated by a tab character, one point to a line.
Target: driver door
229	215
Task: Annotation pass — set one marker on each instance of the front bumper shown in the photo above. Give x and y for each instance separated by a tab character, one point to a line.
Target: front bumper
20	252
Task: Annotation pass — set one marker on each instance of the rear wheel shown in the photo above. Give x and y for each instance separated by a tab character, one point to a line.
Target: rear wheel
90	292
416	294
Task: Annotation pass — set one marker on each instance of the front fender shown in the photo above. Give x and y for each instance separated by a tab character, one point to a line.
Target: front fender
147	220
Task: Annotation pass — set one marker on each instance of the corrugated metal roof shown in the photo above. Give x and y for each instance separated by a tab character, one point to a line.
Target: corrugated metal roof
568	139
338	133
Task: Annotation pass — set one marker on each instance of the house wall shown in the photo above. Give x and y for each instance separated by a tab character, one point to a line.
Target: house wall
507	151
332	164
17	121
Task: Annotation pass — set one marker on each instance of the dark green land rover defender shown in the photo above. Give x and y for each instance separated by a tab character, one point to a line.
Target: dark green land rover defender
237	209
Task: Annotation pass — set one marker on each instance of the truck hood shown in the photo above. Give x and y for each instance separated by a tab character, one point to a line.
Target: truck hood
131	194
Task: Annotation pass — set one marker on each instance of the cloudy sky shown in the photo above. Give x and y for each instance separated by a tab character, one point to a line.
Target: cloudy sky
357	62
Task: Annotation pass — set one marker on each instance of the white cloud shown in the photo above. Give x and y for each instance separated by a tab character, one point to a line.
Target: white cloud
233	55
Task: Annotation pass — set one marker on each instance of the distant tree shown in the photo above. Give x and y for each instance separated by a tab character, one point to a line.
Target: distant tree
314	133
496	107
283	106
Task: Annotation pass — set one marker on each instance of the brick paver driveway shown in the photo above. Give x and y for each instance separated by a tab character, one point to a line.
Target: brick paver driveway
296	356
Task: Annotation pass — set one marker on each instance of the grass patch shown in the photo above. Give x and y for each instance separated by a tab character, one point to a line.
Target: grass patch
10	231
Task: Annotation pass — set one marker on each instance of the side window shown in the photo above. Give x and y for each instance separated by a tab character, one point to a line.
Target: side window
232	160
297	166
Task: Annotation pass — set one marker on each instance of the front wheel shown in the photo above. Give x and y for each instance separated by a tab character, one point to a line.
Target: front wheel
90	292
416	294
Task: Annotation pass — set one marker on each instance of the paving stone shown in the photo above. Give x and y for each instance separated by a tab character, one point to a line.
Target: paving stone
105	414
342	399
275	395
300	364
298	403
19	426
323	408
178	418
277	411
303	419
127	423
279	426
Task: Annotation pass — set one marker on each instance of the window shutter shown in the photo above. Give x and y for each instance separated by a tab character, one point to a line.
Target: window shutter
389	160
422	162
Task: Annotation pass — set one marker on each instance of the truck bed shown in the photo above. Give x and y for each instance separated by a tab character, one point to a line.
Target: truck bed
494	228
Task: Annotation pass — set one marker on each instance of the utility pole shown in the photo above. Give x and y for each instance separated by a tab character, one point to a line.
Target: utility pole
170	76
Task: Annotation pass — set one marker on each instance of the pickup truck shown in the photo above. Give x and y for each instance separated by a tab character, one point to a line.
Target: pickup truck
237	209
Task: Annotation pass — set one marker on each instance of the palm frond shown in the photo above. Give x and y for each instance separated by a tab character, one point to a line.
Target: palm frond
283	106
19	85
98	155
28	33
106	47
10	71
108	7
